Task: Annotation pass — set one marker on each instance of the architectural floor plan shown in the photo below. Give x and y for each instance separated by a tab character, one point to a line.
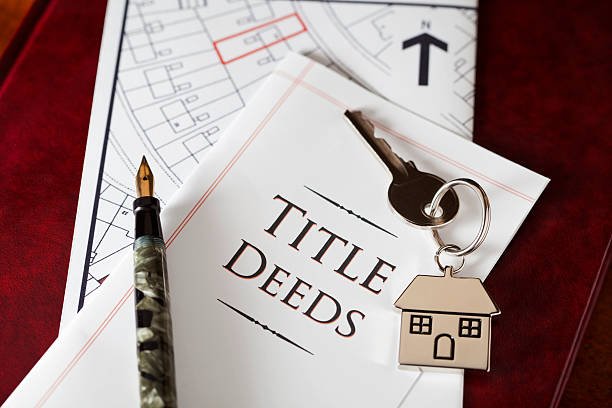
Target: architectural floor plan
187	67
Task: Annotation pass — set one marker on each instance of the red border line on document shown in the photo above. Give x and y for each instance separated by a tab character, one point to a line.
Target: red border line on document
253	51
85	347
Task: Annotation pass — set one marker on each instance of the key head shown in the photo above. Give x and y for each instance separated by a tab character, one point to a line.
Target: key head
410	197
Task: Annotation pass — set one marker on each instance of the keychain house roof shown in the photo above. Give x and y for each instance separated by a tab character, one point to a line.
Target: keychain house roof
446	322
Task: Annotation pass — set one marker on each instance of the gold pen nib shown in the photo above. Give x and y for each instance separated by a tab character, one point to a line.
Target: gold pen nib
144	179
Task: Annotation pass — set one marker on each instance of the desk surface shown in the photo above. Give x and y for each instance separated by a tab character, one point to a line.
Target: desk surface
541	76
12	13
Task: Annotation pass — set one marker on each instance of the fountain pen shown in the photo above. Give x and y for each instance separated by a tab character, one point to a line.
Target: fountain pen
153	322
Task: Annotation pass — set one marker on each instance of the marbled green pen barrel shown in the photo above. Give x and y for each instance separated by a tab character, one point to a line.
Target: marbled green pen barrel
154	325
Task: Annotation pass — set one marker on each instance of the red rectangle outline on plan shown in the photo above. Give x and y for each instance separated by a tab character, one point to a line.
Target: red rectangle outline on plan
276	20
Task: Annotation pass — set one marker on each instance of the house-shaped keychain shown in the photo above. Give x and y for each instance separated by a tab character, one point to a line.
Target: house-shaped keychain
446	322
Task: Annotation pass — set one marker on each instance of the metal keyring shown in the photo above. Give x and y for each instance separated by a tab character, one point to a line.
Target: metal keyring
446	248
484	224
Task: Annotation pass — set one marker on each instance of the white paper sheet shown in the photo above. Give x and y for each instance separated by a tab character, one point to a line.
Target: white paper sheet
186	68
294	142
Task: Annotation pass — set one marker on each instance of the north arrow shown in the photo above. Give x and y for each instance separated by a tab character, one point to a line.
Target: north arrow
424	40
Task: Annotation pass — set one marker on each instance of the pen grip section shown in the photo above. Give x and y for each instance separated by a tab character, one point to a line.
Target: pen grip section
154	325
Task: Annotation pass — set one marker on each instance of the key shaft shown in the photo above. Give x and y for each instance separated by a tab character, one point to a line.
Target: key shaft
396	166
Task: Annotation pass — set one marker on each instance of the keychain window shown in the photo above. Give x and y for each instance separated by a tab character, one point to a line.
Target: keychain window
469	327
420	324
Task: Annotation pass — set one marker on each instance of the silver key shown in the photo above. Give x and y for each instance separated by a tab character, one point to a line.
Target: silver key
411	190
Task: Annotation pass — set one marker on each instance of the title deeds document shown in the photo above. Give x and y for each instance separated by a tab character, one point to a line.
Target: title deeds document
286	258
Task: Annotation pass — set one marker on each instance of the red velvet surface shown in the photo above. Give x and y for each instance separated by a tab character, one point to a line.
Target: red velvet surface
542	100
